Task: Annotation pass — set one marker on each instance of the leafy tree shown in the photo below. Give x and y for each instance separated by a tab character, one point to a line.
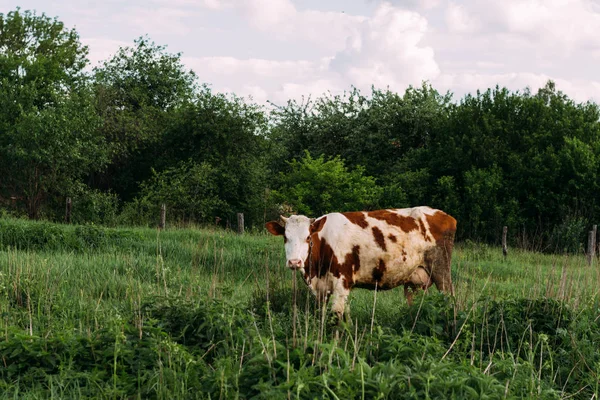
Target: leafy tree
524	160
47	140
137	91
229	134
375	131
315	186
189	190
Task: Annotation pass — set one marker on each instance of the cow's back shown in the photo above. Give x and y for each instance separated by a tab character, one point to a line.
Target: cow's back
385	247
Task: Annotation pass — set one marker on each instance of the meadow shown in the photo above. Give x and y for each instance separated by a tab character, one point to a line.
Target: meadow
93	312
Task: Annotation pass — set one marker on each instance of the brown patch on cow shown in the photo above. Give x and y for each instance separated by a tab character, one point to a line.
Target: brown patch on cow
316	226
404	254
350	265
323	260
357	218
379	271
440	224
379	239
275	228
392	238
424	230
314	230
407	224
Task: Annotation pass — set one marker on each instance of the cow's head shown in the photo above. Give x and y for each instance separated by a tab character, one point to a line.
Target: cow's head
296	235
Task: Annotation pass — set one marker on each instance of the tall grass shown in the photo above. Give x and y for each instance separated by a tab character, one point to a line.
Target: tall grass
136	313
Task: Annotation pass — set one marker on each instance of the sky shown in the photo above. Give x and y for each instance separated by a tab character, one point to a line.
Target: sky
275	50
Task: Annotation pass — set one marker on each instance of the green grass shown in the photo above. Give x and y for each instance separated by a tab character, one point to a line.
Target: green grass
91	312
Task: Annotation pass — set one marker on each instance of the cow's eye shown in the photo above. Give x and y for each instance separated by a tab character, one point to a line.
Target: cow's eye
308	238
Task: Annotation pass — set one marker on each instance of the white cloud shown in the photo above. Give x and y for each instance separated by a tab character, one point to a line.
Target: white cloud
460	20
562	22
213	4
429	4
548	23
269	14
159	20
210	4
276	81
279	49
328	30
384	51
388	51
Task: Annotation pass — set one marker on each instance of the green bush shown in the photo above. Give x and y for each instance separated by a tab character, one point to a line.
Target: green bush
95	207
190	192
569	235
29	235
315	186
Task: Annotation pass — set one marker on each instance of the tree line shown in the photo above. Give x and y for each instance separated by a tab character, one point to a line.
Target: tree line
140	130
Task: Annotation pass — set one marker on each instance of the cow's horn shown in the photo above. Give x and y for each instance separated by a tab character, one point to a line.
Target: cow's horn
283	219
312	220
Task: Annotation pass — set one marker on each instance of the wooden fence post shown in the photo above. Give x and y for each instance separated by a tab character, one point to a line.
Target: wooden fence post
504	246
590	247
594	240
240	219
68	211
163	216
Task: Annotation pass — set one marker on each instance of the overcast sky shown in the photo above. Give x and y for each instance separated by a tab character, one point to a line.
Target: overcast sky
280	49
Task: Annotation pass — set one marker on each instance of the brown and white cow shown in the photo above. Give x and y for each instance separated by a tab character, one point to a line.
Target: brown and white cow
372	249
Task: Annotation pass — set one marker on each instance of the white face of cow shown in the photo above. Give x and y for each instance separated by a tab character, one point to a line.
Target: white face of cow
296	232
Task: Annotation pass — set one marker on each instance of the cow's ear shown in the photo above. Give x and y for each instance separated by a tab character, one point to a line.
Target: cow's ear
318	226
275	228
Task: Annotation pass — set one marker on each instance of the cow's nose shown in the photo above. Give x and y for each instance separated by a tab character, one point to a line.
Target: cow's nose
295	263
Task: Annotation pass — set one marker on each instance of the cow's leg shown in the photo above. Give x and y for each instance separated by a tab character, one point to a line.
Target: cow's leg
338	300
408	294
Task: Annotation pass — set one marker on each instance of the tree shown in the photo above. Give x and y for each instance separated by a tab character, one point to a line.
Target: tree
189	190
229	134
137	91
47	140
315	186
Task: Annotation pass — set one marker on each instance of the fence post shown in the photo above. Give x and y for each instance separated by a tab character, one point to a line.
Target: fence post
594	241
68	211
163	216
240	220
590	247
504	246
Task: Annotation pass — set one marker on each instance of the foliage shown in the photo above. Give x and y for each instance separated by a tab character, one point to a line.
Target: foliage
47	140
45	236
495	158
136	92
116	138
190	192
227	134
94	206
315	186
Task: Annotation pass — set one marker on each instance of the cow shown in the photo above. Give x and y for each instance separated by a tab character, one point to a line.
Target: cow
377	250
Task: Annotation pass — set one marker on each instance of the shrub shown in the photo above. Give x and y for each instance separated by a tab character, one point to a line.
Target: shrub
315	186
190	191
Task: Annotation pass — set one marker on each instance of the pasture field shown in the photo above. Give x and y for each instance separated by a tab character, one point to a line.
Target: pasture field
91	312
